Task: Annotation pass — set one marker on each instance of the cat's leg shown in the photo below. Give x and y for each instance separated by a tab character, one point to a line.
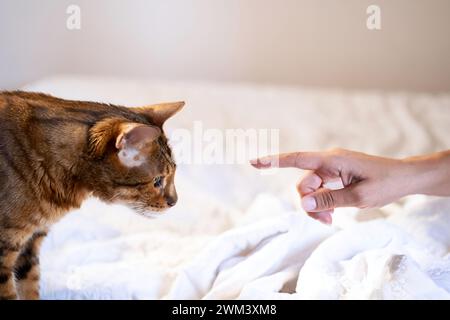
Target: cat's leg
9	252
27	268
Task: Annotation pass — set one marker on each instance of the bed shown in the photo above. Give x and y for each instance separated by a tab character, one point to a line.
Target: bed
238	234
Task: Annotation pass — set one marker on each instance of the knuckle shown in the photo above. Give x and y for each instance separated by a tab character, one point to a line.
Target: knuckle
336	155
326	200
298	159
303	189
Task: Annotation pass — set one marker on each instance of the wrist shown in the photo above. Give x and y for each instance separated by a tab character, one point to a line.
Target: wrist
426	174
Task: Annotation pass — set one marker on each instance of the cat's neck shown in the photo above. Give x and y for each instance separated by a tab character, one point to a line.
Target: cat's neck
60	161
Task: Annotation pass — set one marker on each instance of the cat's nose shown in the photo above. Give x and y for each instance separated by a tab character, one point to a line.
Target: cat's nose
171	200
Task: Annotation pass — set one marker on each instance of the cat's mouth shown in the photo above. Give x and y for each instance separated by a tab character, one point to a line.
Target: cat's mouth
152	212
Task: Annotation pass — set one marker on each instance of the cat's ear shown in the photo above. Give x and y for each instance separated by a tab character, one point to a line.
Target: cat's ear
157	114
134	135
133	141
121	135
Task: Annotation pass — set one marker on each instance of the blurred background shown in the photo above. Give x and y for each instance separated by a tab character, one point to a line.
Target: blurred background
296	42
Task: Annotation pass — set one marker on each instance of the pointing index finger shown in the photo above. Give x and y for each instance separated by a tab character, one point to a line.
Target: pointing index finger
301	160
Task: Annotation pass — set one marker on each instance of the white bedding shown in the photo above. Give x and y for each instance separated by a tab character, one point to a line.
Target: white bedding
238	234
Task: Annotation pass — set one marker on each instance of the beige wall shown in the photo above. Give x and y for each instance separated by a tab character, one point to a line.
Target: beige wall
306	42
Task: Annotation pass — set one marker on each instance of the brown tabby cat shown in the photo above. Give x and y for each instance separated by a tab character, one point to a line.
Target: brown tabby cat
54	153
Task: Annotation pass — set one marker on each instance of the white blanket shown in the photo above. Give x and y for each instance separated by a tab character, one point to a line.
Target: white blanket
288	256
237	234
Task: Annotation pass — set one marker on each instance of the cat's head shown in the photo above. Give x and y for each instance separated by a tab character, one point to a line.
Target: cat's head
133	161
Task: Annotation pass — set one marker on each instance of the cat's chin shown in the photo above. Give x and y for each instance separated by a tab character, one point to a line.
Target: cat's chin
150	215
153	213
147	212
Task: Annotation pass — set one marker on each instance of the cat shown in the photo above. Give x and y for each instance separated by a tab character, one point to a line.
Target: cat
54	153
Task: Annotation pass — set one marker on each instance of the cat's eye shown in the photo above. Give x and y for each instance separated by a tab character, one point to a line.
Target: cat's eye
157	182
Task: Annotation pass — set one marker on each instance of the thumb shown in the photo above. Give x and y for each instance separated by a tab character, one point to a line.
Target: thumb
325	199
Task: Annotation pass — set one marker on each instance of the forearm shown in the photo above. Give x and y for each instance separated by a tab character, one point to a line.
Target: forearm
429	174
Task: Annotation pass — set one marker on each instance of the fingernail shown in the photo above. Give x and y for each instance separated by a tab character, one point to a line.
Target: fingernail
309	203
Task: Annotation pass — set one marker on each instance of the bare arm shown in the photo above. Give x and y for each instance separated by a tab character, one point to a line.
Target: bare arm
433	173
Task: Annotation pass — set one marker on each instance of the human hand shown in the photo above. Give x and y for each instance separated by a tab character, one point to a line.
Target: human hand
367	181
